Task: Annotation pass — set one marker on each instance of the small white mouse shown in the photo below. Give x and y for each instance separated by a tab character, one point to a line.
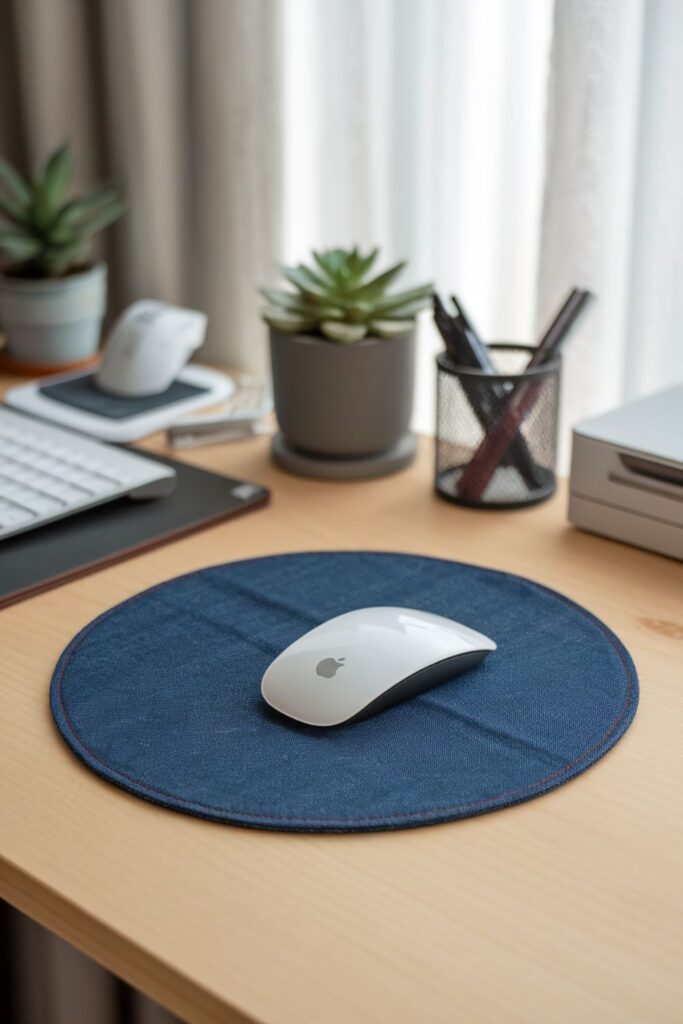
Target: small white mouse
366	660
148	347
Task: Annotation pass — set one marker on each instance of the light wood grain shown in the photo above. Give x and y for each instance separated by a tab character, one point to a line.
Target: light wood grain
565	909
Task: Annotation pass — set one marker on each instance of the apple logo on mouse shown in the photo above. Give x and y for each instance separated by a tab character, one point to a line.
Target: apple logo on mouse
328	667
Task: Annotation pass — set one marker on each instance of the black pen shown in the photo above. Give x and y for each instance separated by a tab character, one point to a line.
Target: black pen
484	359
557	333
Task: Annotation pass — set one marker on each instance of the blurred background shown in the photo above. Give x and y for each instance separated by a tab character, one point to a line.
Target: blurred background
508	148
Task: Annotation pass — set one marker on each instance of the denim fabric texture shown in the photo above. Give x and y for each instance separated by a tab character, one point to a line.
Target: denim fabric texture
161	696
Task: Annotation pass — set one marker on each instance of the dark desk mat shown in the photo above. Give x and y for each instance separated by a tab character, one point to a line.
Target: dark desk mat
161	696
83	393
52	554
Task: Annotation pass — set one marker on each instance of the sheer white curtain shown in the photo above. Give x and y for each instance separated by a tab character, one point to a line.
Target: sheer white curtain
420	127
613	209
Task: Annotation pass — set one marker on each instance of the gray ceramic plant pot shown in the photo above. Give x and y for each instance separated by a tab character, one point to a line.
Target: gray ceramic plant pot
343	401
53	322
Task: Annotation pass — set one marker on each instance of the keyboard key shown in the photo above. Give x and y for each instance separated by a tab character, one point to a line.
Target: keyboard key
40	504
10	490
78	478
14	516
68	494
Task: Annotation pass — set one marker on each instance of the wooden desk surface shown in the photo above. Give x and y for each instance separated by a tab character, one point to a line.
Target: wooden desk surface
564	909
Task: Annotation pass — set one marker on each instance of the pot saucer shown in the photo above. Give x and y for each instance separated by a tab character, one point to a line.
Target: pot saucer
19	368
363	468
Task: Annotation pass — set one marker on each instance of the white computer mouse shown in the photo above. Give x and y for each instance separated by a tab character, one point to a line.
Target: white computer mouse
366	660
148	347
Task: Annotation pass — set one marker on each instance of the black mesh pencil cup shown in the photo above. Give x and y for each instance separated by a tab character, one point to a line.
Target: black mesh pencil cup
496	434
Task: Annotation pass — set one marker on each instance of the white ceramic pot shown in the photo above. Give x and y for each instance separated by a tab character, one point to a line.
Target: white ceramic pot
51	322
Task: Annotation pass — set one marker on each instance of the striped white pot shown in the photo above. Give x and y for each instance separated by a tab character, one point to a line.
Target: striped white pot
53	321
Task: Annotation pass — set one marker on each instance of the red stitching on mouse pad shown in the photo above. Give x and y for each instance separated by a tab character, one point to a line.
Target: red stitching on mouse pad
220	813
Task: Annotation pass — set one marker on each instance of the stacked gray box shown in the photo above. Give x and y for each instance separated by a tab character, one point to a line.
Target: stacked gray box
627	473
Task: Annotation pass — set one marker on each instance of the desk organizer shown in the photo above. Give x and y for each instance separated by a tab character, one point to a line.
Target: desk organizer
496	433
161	696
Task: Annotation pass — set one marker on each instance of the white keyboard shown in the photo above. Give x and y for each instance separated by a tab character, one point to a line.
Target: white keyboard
47	473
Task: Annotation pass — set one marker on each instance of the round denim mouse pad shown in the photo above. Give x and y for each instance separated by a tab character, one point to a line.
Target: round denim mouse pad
161	696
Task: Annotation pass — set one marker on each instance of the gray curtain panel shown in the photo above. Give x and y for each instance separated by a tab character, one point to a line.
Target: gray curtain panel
177	100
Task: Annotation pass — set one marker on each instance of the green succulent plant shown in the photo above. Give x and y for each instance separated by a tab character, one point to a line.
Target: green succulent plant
48	236
341	301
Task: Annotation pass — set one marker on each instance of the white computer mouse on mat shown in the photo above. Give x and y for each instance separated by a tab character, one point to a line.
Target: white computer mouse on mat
364	661
148	347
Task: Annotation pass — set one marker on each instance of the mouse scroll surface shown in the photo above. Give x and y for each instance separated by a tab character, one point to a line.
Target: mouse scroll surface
366	660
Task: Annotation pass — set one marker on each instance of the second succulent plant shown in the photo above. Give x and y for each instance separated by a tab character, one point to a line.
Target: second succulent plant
338	299
48	235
